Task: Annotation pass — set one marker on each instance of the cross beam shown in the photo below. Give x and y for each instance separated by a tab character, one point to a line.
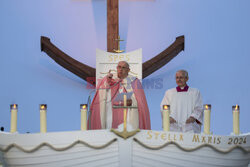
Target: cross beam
86	72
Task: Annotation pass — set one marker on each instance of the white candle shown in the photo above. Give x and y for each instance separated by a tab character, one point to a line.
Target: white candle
236	119
207	117
125	112
165	115
13	121
43	118
83	108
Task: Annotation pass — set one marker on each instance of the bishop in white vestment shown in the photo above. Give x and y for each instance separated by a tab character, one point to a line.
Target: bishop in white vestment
186	113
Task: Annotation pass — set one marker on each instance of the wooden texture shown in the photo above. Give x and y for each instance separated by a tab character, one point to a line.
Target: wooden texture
112	25
88	73
163	58
81	70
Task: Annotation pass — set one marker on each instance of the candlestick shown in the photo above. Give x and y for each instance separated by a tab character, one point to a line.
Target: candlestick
165	115
236	119
83	108
43	118
125	112
13	121
207	117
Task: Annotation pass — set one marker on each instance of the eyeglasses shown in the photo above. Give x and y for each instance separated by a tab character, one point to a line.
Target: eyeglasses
123	68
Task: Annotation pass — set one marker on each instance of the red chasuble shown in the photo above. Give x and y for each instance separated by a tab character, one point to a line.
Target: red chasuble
94	121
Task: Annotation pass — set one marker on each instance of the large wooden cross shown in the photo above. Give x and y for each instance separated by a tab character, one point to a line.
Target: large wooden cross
86	72
112	25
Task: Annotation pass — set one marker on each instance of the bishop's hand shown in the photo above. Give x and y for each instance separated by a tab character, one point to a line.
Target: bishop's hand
172	120
190	120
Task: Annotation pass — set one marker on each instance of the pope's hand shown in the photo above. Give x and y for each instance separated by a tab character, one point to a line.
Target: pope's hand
129	102
110	75
172	120
190	120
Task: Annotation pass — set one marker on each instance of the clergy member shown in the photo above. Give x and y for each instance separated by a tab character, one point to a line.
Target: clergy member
102	113
185	105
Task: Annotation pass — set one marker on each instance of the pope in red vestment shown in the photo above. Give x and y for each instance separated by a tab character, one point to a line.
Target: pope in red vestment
103	115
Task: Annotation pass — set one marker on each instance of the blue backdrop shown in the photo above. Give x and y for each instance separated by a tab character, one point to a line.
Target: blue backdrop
216	55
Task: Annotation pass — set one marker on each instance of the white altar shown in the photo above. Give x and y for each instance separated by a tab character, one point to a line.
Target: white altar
104	148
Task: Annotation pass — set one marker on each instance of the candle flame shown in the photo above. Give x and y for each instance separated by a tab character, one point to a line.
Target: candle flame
14	106
84	106
42	107
206	106
236	107
165	107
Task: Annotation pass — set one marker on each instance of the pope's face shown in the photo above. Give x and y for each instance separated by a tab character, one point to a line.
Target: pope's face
181	80
122	70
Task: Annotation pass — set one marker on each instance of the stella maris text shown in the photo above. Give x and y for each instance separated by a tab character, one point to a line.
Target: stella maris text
179	137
